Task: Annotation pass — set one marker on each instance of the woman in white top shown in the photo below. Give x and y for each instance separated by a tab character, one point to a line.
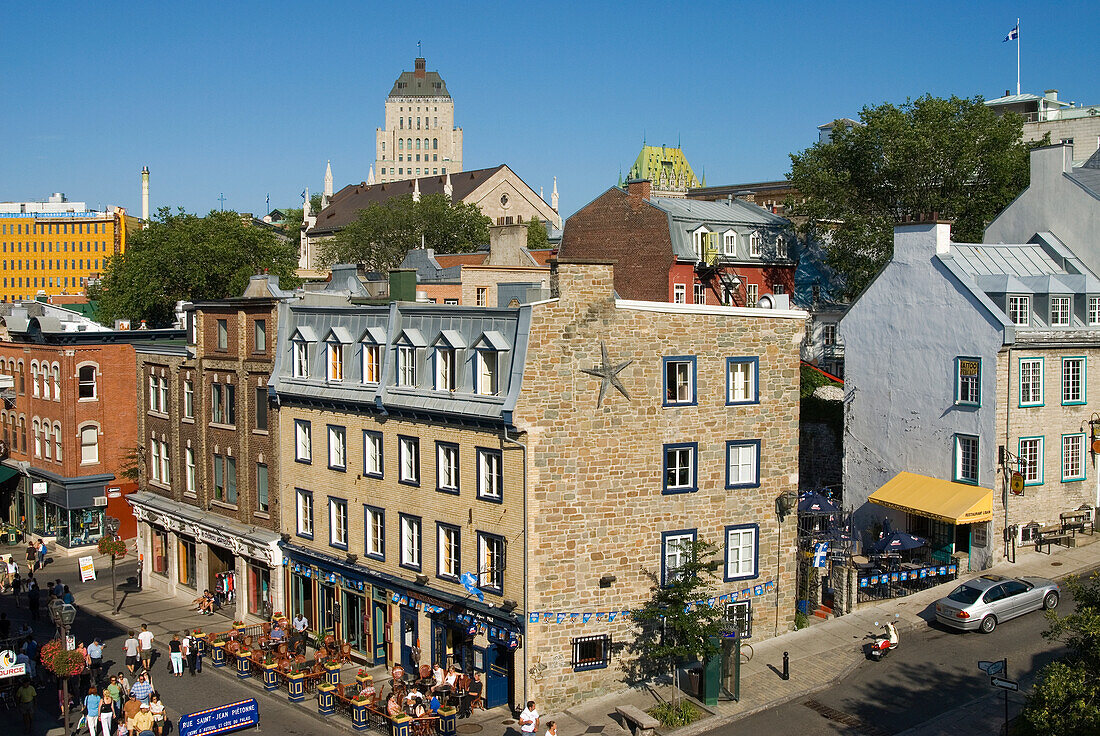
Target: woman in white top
156	709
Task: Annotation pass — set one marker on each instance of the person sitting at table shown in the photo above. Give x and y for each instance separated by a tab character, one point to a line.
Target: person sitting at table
392	707
276	634
473	692
434	704
451	680
438	676
398	673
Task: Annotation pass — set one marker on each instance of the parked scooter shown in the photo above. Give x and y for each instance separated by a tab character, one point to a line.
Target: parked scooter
883	645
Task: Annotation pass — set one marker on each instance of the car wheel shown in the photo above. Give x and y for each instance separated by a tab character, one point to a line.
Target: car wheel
988	624
1050	601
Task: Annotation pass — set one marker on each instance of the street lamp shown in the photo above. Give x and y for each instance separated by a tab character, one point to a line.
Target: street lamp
111	524
63	615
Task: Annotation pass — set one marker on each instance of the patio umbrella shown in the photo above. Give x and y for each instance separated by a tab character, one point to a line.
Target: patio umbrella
815	504
899	542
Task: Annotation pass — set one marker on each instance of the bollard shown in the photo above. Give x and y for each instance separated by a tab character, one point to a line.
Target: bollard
786	666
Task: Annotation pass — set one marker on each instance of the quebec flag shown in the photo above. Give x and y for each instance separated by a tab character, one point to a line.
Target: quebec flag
821	549
1013	35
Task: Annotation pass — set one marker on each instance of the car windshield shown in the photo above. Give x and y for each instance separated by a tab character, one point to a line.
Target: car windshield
964	594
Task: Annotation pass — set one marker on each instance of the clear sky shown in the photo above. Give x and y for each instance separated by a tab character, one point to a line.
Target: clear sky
250	99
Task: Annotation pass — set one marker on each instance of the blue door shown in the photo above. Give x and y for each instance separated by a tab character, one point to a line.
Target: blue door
379	619
498	666
409	636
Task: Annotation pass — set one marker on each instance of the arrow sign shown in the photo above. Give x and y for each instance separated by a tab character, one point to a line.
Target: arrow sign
991	668
1004	684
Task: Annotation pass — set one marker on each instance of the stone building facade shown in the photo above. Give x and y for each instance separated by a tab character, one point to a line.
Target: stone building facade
209	503
447	466
420	137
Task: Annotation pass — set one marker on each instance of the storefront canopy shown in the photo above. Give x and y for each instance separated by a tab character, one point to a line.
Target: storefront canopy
7	473
954	503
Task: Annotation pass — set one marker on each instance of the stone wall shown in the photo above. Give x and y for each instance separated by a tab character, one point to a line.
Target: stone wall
820	456
595	501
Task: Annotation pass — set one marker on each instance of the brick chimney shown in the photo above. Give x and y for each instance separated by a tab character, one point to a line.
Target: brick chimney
419	68
638	190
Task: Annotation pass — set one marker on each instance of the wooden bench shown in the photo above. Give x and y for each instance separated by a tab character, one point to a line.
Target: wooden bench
644	723
1050	538
1076	521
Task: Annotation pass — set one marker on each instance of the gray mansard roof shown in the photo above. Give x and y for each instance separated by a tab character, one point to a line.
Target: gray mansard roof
425	327
687	215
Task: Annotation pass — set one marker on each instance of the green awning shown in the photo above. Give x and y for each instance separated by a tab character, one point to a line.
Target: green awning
7	473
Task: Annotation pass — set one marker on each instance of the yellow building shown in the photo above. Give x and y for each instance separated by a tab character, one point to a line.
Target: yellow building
56	252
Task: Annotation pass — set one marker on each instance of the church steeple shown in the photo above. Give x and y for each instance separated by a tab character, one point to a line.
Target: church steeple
416	190
447	188
554	196
370	176
305	206
328	179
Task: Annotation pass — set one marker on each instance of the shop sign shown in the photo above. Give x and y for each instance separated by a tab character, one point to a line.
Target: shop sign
87	569
212	537
224	718
39	488
8	667
114	493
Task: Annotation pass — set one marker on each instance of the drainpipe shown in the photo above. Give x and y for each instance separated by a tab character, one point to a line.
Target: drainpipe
1004	471
526	599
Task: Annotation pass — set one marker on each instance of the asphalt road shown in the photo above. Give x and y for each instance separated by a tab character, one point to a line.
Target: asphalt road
180	695
934	670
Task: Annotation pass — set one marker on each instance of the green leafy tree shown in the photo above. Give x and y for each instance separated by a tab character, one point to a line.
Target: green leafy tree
1066	696
537	239
185	257
385	231
671	629
954	157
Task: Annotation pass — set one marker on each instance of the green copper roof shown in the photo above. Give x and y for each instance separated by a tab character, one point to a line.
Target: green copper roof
665	167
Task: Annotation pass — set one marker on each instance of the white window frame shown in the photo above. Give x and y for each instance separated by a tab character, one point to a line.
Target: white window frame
448	551
754	245
338	523
188	399
337	447
408	460
679	382
744	457
1031	390
1073	380
1060	309
968	389
1019	309
741	546
741	381
303	441
446	369
189	457
962	473
679	294
752	294
699	293
781	246
729	243
299	350
304	504
447	467
481	296
372	454
372	362
406	365
490	576
57	441
1073	457
488	371
411	530
699	240
676	549
679	468
334	361
1031	460
375	539
490	475
165	464
1094	311
56	382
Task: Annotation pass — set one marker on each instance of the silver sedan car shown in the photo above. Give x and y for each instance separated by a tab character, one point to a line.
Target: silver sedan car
984	602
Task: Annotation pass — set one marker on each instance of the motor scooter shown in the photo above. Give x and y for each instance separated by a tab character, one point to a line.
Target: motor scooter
881	646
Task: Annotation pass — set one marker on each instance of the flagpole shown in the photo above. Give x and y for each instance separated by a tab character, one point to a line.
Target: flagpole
1017	56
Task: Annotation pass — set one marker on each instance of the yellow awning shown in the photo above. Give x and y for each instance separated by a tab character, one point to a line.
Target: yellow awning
955	503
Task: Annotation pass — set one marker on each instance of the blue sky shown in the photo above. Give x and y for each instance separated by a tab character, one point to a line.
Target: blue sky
250	99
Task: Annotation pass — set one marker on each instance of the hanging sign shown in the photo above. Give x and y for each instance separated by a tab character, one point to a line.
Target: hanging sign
40	488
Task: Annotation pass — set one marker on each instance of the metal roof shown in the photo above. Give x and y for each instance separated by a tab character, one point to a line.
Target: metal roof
687	215
1005	260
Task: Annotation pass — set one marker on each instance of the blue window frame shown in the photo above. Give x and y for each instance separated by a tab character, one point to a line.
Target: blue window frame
411	542
1074	457
303	513
303	441
968	381
374	532
448	551
491	562
1074	372
338	522
966	458
743	464
679	468
337	448
742	381
490	475
408	460
673	551
742	552
678	375
374	458
1030	451
446	467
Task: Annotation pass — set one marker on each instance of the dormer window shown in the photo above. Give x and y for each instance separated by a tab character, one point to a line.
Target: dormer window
299	351
335	361
1019	310
699	242
373	340
447	344
754	245
781	246
487	360
729	243
408	342
1094	311
1059	311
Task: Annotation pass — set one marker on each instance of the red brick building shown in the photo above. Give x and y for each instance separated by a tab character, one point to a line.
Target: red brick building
684	251
68	422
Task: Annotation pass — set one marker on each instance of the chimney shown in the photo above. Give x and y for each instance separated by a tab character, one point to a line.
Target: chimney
419	69
917	241
1051	94
145	193
638	190
403	283
1008	92
508	246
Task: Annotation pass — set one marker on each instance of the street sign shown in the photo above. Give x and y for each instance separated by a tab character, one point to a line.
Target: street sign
991	668
241	714
1004	684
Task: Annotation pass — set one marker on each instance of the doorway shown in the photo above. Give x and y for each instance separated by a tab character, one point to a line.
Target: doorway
221	567
498	675
379	613
301	597
409	634
352	623
327	614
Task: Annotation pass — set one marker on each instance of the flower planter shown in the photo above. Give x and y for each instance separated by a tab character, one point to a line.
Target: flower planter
448	721
402	725
271	676
244	664
296	687
326	699
217	653
361	681
360	716
332	673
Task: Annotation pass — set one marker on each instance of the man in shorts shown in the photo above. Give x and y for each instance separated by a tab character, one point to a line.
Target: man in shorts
131	645
25	696
146	639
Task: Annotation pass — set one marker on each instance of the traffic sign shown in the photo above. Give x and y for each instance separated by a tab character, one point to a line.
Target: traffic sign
1004	684
991	668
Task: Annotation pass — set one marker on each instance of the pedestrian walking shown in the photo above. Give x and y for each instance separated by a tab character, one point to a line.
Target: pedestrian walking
114	689
175	649
141	689
34	600
529	718
90	709
156	709
32	557
25	697
131	646
95	657
551	728
106	713
146	639
187	648
41	554
17	590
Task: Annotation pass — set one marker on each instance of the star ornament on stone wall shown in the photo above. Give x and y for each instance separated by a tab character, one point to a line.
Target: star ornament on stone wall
608	374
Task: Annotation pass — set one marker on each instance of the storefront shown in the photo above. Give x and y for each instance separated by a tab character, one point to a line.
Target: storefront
955	518
189	550
70	511
388	619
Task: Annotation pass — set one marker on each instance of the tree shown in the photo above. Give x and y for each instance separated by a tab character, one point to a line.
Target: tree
185	257
537	238
954	157
385	231
1066	696
673	628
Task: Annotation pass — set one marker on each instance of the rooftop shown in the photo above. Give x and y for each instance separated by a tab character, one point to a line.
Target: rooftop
419	83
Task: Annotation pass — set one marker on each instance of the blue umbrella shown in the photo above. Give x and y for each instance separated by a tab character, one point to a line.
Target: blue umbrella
899	542
814	503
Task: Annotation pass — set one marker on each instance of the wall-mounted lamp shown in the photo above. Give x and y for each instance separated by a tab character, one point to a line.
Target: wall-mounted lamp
285	538
352	558
421	579
508	606
785	503
606	581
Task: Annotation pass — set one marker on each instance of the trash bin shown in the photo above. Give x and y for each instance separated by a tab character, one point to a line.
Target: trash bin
13	536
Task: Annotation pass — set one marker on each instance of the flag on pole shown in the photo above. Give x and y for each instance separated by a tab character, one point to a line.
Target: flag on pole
1013	35
821	551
